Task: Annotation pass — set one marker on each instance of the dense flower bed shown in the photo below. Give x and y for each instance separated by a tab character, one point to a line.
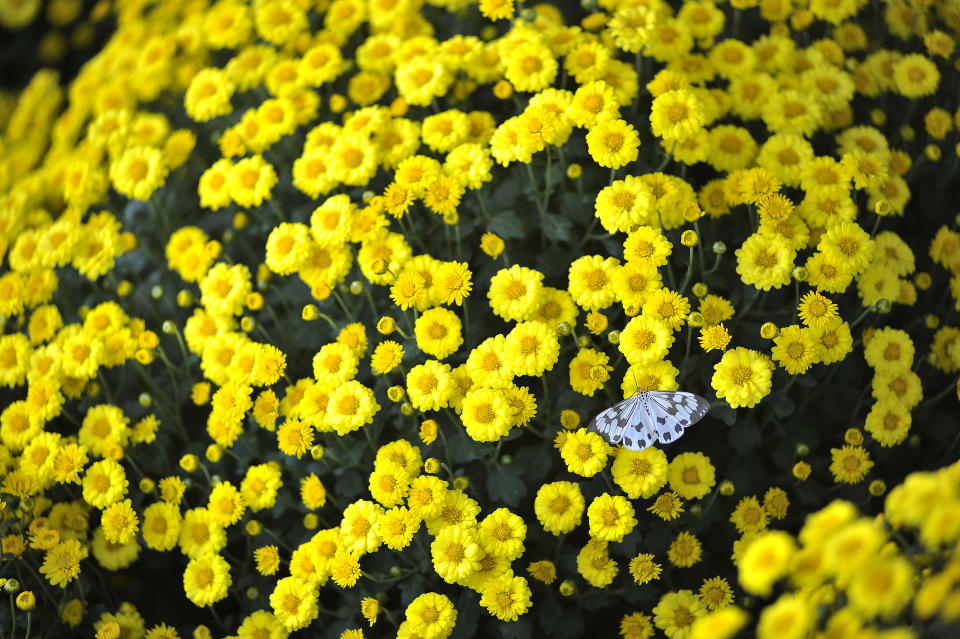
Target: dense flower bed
306	307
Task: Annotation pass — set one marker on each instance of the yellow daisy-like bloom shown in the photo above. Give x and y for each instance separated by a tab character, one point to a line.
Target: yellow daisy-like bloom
848	245
889	349
497	9
612	143
816	310
488	365
251	180
640	473
225	288
749	516
716	593
588	371
531	67
430	385
676	612
294	602
506	597
647	246
765	261
742	377
645	339
288	247
794	349
685	550
502	534
531	348
201	533
915	76
61	564
139	172
119	521
514	292
351	406
559	506
456	553
438	332
666	306
592	102
161	526
591	281
585	453
624	205
765	561
334	364
397	526
691	475
676	115
889	422
791	616
206	579
208	95
430	616
850	464
715	337
104	483
644	569
595	564
611	517
486	414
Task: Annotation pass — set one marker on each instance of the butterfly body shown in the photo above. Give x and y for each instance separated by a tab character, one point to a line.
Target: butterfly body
649	417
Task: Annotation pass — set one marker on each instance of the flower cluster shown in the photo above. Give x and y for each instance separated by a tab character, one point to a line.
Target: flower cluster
305	309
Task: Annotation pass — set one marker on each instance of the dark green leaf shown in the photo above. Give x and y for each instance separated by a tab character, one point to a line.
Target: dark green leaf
411	588
349	485
519	629
507	225
745	436
506	486
468	614
783	407
557	228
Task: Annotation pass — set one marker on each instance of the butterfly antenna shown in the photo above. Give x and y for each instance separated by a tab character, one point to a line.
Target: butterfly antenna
635	382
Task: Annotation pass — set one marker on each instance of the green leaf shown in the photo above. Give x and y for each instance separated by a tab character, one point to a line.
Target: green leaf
468	615
745	436
557	228
507	225
519	629
411	588
505	485
349	485
783	407
722	410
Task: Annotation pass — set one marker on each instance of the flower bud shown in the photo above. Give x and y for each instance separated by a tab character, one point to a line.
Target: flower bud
386	325
356	287
700	289
689	238
184	298
564	329
431	465
769	330
247	324
214	453
613	337
882	306
26	601
309	313
719	248
189	462
316	452
574	171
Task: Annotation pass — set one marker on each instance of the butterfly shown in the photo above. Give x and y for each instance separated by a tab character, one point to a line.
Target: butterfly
648	417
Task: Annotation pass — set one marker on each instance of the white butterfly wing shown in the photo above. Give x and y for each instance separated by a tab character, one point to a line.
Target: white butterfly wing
673	411
626	424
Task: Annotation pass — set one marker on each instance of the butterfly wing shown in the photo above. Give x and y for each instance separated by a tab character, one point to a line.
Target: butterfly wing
626	424
673	411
